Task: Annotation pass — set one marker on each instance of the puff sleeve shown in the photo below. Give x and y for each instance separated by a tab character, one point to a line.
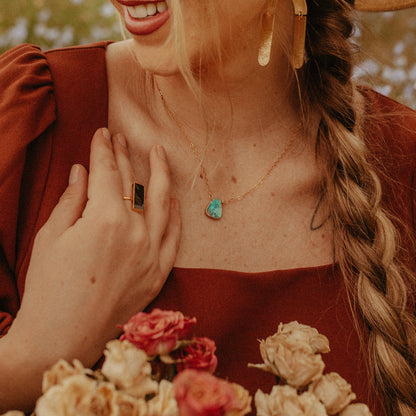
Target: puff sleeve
27	110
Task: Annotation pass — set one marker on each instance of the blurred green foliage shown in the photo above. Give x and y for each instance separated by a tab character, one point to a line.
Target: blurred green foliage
387	41
387	57
56	23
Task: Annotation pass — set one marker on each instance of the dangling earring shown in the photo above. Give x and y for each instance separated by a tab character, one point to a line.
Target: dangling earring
265	49
299	32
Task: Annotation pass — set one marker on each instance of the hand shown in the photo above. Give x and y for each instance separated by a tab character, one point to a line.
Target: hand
96	262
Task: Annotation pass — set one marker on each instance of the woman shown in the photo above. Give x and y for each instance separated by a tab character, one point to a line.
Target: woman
272	139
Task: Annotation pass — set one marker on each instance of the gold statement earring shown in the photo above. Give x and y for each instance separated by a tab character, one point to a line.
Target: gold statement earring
299	32
265	49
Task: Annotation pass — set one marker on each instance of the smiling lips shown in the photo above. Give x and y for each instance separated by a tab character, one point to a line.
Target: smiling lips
144	17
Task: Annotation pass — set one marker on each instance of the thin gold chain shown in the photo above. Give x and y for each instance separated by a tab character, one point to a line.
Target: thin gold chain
203	171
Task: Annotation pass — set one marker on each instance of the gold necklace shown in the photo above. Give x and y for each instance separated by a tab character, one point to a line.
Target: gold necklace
214	209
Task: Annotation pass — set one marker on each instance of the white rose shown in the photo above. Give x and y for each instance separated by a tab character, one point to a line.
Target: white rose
333	391
285	401
282	401
78	395
311	405
60	371
164	403
295	333
242	404
130	406
297	365
127	367
356	409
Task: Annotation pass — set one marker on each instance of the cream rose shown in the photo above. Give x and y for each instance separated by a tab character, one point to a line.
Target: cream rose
311	406
164	403
242	401
333	391
60	371
130	406
78	395
128	369
284	400
292	354
297	365
295	333
356	409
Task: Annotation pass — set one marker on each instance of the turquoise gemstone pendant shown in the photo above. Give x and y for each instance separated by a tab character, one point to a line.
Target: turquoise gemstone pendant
214	209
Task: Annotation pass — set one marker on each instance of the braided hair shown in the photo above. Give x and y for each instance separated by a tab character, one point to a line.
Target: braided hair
364	235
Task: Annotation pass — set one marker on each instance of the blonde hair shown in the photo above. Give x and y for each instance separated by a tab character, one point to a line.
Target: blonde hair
365	238
366	241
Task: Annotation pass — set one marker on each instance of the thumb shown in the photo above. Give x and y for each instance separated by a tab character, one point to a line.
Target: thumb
71	203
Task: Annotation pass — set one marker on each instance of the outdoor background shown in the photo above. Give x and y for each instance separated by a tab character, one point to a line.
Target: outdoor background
386	60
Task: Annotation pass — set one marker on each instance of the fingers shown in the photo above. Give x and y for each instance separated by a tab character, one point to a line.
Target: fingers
111	176
161	214
122	158
105	187
157	203
71	204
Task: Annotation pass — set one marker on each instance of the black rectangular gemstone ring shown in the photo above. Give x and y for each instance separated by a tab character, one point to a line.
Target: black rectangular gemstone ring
136	198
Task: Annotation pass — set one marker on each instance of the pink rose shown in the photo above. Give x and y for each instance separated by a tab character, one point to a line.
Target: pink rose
157	332
200	355
199	393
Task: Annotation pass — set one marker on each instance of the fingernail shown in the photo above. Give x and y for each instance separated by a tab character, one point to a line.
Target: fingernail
121	139
161	152
73	175
106	133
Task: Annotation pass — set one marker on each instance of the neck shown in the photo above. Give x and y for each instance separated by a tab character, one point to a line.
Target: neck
240	102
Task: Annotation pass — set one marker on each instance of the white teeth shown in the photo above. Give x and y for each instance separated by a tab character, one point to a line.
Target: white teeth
151	9
161	6
139	12
146	10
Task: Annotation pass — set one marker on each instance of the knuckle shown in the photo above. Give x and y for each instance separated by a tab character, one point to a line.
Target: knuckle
108	163
139	239
111	220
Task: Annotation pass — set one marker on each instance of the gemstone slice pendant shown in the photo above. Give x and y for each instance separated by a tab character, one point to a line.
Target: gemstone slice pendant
214	209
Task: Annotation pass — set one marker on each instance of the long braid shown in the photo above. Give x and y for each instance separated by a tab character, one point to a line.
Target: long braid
365	238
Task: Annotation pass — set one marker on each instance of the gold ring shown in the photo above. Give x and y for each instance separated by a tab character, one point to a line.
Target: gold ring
136	198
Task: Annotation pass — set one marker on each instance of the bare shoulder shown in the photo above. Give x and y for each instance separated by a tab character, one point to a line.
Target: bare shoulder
126	79
117	53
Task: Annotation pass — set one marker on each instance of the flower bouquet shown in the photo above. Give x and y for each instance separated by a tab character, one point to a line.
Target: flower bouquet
157	369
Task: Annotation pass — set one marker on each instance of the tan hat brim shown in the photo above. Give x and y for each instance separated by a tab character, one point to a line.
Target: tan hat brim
383	5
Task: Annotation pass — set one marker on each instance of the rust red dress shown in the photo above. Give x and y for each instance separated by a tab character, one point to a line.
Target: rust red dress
39	142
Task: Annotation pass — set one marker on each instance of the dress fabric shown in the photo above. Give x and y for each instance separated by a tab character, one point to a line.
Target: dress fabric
44	131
